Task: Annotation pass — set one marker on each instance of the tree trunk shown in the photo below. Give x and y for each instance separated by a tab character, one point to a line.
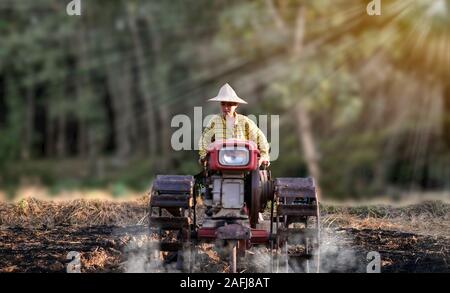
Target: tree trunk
83	88
446	115
82	139
164	119
120	97
61	128
50	145
125	85
281	26
161	85
304	129
308	144
29	123
143	78
94	163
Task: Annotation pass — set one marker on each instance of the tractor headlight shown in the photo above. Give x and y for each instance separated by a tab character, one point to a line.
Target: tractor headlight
234	156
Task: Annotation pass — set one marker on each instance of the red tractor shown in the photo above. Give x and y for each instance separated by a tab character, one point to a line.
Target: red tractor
234	190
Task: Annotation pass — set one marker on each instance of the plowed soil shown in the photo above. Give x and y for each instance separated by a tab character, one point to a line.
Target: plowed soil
347	239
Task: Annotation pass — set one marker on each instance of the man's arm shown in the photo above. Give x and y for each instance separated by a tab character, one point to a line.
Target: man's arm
206	139
260	139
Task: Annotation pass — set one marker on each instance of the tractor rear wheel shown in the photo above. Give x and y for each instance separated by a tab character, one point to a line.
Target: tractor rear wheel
171	219
297	223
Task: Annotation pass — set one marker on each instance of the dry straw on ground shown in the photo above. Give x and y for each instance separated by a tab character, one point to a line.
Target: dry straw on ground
429	217
33	212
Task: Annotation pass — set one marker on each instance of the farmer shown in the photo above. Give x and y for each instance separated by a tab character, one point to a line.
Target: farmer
231	125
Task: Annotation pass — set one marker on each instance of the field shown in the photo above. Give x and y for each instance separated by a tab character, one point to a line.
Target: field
37	235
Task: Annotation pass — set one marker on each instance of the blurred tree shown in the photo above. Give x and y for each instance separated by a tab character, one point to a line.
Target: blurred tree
364	101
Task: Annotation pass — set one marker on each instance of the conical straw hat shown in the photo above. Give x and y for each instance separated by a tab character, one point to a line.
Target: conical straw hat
227	94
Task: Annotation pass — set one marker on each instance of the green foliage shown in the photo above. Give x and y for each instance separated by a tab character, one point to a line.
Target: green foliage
118	189
97	84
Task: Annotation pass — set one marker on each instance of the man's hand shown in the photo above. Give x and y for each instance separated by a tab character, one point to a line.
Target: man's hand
264	162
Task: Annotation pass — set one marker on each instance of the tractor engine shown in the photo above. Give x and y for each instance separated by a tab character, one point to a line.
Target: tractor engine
230	162
227	195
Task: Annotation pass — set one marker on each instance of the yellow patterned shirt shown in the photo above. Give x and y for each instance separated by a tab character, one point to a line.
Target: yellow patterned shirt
244	129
